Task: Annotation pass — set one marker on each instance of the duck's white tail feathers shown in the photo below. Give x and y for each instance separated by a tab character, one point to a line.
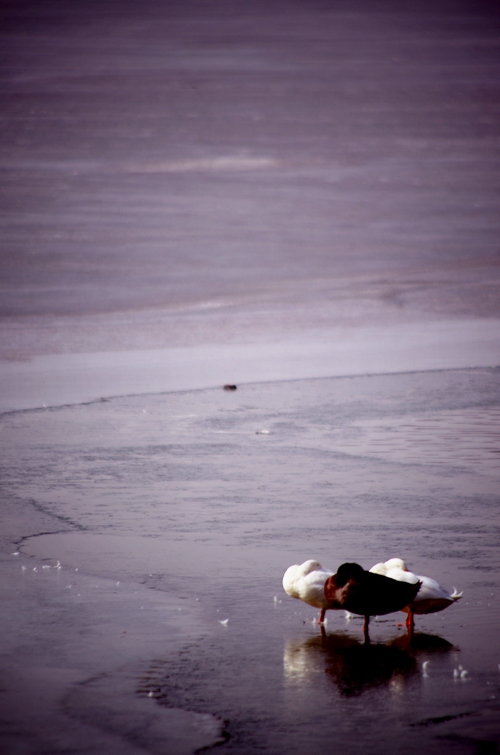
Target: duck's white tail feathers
456	595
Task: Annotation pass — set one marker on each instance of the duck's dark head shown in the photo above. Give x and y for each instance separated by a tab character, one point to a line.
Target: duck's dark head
348	571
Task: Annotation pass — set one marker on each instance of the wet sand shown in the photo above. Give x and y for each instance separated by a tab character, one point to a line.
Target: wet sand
300	199
172	513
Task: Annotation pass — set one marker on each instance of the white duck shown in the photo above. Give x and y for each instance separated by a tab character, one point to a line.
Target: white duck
431	597
307	582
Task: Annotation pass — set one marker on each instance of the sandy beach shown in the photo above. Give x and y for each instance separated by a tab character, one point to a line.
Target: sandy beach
299	199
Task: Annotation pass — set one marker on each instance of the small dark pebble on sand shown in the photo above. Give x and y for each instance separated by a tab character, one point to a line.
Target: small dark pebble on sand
230	387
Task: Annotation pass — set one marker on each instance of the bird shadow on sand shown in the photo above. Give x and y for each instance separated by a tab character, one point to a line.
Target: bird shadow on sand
355	667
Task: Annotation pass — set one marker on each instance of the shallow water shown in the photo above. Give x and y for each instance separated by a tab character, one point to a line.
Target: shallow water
211	495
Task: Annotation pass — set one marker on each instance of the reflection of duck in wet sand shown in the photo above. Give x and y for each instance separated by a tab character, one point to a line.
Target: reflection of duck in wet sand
356	667
362	592
421	643
431	597
351	588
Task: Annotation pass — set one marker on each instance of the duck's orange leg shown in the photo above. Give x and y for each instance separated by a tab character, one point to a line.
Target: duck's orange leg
322	616
410	623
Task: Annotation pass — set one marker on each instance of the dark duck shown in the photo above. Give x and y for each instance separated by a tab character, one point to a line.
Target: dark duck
368	594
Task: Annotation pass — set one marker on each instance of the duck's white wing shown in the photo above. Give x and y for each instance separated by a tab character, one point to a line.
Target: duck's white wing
395	563
312	588
384	567
289	580
403	576
307	582
379	569
431	597
429	590
432	590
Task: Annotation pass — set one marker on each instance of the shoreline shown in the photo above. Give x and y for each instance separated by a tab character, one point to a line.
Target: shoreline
82	682
67	379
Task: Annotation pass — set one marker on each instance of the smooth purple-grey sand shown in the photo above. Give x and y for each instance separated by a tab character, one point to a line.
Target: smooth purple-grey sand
299	198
